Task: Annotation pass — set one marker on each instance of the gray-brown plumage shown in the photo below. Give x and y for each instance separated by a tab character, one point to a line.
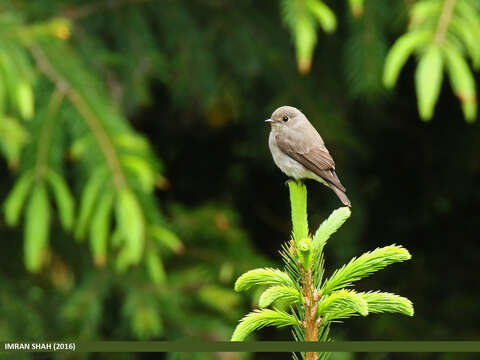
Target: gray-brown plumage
299	151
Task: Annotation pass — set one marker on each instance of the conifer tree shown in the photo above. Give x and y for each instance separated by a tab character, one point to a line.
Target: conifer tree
316	301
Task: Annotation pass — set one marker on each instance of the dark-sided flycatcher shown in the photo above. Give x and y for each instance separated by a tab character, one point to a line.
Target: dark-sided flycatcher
299	151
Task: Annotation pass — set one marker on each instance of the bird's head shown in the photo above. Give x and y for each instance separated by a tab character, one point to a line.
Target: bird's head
285	117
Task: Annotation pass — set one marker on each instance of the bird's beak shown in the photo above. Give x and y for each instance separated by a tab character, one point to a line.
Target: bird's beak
269	120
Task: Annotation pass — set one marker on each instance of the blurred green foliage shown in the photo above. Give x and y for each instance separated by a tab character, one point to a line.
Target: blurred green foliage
137	184
443	34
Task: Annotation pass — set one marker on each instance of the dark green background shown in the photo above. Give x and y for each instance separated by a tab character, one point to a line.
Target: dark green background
226	66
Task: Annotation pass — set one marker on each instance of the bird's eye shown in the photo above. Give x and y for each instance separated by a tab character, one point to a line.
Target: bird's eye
285	118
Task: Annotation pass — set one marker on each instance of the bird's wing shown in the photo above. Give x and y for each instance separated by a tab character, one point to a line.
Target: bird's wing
317	159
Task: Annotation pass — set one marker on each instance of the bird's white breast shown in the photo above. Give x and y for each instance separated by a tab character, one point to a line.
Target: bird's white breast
289	166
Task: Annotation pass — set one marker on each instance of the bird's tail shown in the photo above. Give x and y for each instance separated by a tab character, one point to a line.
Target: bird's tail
341	195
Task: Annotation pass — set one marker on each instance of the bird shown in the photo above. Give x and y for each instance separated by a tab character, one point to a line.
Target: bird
299	151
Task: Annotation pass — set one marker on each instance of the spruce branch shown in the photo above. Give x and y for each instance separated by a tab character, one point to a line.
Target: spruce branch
266	276
311	322
288	294
303	18
363	266
87	202
329	226
298	200
13	138
16	198
316	304
87	114
444	20
32	188
46	133
63	198
37	227
258	319
129	165
442	35
341	301
379	302
376	302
